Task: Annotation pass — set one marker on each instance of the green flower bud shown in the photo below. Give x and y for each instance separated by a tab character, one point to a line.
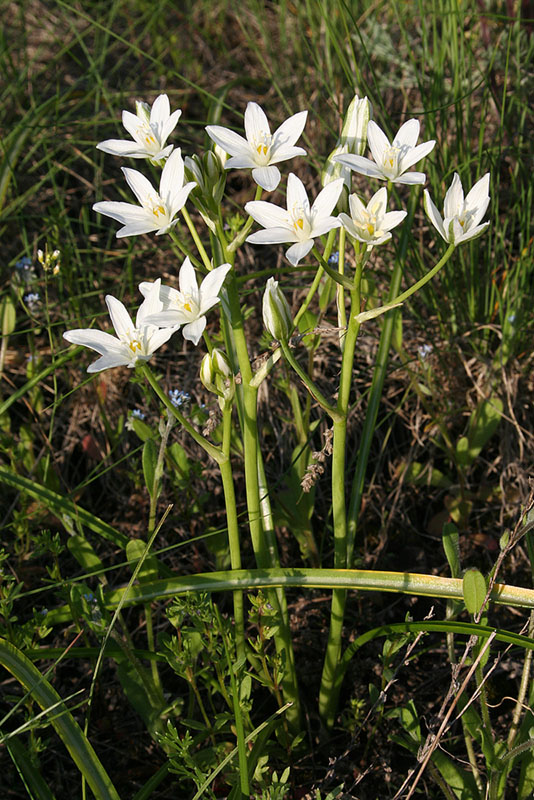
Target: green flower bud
277	316
353	139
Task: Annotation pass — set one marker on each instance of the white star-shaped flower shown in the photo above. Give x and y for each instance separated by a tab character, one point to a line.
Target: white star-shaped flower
371	224
299	223
461	217
391	159
261	149
132	343
188	305
149	128
157	209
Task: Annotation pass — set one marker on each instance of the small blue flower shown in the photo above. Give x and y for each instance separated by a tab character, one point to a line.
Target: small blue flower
511	318
138	414
424	350
25	272
32	300
334	259
178	397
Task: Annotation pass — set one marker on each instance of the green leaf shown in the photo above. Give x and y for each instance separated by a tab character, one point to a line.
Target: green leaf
30	775
59	505
8	315
474	590
64	724
84	554
483	423
451	546
150	461
148	571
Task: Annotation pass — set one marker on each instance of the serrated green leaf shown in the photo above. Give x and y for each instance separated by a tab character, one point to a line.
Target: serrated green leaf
474	590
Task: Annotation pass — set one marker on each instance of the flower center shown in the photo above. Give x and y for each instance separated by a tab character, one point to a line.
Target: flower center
262	146
390	161
148	137
369	224
157	207
135	345
184	302
301	225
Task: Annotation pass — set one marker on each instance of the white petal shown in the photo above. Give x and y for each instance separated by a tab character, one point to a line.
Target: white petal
298	251
136	229
243	161
212	283
170	318
479	194
323	225
256	123
326	200
434	215
357	209
473	234
360	164
415	154
230	141
378	142
172	178
160	111
151	304
120	147
131	123
410	178
119	316
289	131
407	134
378	202
349	226
454	198
160	337
267	214
194	330
296	193
392	219
95	339
285	153
267	177
187	279
122	212
109	361
140	186
170	124
273	236
179	199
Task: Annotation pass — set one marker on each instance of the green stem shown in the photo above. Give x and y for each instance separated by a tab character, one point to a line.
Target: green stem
309	384
243	233
196	238
328	696
210	449
233	530
426	278
336	276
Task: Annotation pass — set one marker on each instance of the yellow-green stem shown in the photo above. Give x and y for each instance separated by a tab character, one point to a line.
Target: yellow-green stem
196	238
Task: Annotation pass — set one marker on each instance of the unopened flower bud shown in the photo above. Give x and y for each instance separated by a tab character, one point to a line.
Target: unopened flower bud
142	110
353	139
277	317
216	374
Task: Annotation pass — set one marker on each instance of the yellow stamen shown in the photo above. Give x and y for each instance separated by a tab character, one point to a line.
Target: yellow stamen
300	223
158	210
371	229
187	307
134	345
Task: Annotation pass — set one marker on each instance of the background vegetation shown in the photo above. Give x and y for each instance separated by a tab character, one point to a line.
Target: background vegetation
68	440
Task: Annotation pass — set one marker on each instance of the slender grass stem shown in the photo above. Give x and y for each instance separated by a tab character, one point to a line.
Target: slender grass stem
197	240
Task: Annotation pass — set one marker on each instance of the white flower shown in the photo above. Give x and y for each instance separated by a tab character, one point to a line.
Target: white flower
371	224
157	209
277	317
133	342
149	128
188	305
300	223
391	160
461	217
261	149
353	139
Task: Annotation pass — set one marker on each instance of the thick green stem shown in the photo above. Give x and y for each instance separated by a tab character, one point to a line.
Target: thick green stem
328	695
233	531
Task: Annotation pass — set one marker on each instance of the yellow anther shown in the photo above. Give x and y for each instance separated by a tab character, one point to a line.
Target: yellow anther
187	307
134	345
158	210
371	229
300	223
